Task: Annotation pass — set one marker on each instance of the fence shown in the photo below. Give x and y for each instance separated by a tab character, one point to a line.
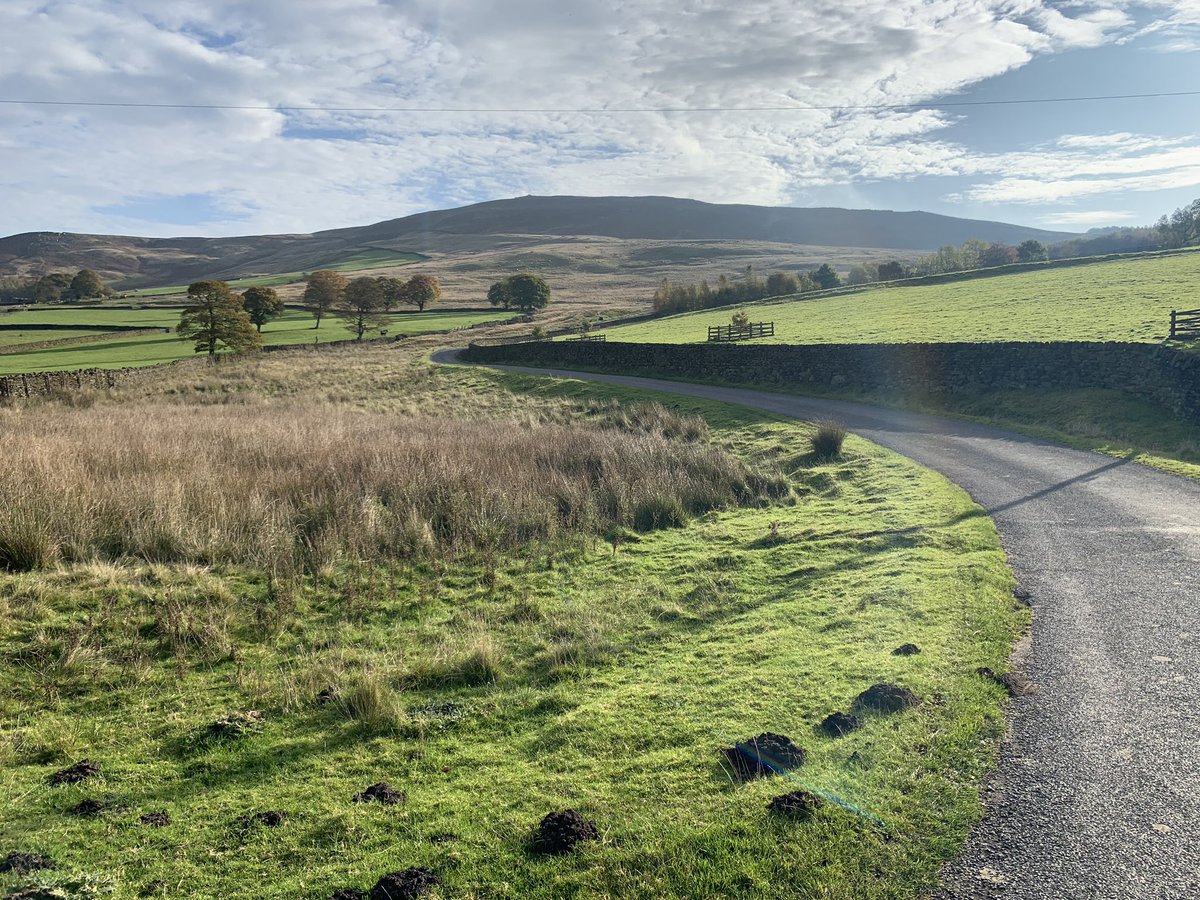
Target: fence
721	333
1185	324
588	337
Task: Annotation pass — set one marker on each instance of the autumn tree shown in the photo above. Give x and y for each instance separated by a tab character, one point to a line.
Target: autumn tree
421	291
262	304
781	283
997	254
86	284
324	292
215	319
392	291
362	305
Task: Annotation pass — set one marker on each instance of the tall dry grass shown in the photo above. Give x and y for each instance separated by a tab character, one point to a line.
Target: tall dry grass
292	486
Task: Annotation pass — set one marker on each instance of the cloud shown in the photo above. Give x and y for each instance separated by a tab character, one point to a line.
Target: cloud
289	170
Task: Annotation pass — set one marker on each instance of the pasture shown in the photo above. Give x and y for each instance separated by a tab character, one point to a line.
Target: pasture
1118	300
502	594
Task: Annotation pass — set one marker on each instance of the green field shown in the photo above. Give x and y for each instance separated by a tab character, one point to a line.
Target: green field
494	689
1121	300
294	327
356	262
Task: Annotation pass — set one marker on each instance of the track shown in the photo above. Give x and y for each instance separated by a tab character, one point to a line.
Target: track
1097	794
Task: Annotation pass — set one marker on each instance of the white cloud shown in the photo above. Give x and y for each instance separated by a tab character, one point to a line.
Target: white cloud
290	171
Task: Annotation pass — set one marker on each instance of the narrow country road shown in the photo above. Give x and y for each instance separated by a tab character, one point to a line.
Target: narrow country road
1097	794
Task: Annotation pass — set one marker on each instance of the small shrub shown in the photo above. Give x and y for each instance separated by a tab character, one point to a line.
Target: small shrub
371	699
26	544
828	439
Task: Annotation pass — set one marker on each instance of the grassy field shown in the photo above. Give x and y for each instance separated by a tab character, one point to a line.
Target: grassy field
492	670
357	262
1121	300
294	327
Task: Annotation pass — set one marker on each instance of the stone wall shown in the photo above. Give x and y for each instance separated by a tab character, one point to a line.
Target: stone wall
41	384
1167	377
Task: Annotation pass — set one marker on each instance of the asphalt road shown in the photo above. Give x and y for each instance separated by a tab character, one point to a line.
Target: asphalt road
1097	794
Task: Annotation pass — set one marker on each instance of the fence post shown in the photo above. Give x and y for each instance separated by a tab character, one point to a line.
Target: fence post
1173	317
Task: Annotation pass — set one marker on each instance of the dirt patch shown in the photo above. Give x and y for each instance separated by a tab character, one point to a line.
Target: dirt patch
906	650
837	724
158	819
406	885
560	831
766	754
382	792
37	893
326	696
1023	597
88	809
235	725
443	837
76	772
349	893
25	863
1016	684
798	805
886	698
270	818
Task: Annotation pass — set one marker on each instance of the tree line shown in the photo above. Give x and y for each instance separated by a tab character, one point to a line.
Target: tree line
55	287
365	302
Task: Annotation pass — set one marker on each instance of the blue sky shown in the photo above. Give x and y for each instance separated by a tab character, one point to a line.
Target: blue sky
170	171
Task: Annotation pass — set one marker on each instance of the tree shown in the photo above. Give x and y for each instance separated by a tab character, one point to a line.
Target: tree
781	283
891	271
324	292
825	277
85	284
215	318
393	291
997	254
50	288
860	274
362	305
499	295
1032	251
1181	228
526	292
421	291
262	304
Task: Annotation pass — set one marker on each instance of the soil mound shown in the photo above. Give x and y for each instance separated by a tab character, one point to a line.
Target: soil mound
837	724
906	650
766	754
37	893
799	805
88	809
887	698
1012	682
382	792
348	894
75	773
406	885
268	819
560	831
158	819
24	863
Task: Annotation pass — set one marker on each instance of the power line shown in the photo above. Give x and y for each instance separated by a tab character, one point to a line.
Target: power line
599	110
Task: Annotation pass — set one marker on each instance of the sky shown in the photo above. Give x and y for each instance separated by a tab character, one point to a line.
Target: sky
520	97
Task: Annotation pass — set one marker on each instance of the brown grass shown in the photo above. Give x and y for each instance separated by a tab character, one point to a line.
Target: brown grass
288	486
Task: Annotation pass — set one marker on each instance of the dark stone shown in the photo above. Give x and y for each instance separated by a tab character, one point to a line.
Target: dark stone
799	805
24	863
1023	597
88	809
837	724
76	772
381	792
268	819
157	819
886	698
766	754
406	885
560	831
906	650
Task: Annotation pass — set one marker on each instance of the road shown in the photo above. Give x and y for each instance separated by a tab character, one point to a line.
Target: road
1097	791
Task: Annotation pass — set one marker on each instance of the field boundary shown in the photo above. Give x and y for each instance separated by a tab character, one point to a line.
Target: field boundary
1163	375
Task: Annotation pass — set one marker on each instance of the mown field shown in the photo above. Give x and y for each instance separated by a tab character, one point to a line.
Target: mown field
1120	300
505	595
365	259
119	351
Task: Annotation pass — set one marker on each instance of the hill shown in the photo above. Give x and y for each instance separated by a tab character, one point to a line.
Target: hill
137	261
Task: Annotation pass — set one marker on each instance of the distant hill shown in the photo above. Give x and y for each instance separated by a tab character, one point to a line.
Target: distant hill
143	261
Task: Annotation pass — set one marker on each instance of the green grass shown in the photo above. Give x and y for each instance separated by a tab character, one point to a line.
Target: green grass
1120	300
355	262
600	679
294	327
33	335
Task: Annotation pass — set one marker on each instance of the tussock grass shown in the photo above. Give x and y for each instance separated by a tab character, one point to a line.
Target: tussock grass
827	440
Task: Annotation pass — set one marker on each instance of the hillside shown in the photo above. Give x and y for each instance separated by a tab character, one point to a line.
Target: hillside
137	261
1118	300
